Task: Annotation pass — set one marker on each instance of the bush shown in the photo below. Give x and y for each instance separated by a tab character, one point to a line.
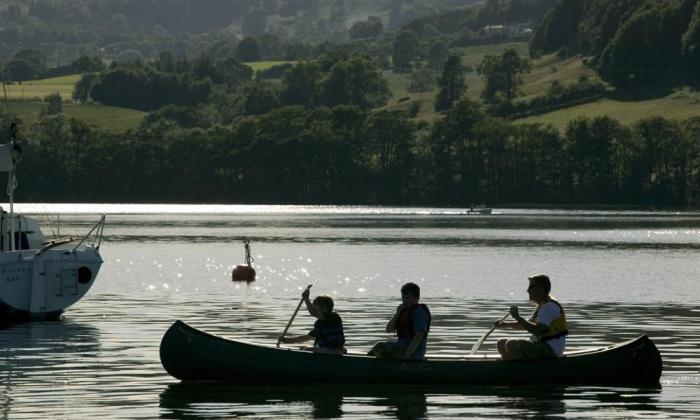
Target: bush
557	97
147	89
81	90
414	109
55	104
274	72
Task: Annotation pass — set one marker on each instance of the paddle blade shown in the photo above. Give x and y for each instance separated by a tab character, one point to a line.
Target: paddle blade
480	341
483	338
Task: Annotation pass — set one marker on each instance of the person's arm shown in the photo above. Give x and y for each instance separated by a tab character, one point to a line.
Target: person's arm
313	310
295	340
391	325
538	329
511	325
508	325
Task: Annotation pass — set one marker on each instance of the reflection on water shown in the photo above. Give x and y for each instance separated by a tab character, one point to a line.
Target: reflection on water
103	358
400	401
619	274
52	351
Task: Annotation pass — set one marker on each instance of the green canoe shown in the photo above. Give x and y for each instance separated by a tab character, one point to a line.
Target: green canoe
192	355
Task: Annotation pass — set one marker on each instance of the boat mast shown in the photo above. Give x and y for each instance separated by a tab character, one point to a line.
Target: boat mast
11	180
8	164
11	185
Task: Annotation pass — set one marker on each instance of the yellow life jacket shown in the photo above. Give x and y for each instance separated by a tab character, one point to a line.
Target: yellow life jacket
558	327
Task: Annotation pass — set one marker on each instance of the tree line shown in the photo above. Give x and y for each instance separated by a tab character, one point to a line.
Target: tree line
344	154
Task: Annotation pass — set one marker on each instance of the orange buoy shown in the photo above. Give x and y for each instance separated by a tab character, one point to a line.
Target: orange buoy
245	272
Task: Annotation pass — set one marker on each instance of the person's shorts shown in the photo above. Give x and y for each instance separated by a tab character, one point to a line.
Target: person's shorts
525	349
388	350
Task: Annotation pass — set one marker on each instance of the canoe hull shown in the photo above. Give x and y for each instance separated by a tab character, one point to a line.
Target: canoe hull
192	355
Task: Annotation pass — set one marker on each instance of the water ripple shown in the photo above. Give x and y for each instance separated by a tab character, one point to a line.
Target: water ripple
105	354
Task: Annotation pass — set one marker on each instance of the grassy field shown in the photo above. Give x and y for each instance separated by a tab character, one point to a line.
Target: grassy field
678	105
70	79
38	89
263	65
549	69
105	117
26	100
662	98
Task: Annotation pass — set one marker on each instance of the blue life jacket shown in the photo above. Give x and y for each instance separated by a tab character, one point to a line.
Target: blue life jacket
328	332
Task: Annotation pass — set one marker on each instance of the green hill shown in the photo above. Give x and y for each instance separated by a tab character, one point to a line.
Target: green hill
626	105
104	117
471	58
682	104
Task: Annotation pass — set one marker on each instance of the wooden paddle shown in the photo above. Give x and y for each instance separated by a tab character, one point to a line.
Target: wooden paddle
479	342
292	319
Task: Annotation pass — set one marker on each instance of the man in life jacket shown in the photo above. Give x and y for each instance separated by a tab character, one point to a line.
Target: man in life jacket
327	332
547	325
411	322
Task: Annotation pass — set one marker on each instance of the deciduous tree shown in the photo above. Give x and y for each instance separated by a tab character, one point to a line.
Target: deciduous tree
502	74
405	49
451	82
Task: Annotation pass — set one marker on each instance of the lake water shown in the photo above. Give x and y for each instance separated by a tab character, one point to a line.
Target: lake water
618	273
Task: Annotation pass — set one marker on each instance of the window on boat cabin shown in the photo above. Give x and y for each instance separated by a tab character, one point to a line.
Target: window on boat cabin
21	241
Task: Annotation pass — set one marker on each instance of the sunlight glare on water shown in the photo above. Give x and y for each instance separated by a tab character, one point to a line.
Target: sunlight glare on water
618	273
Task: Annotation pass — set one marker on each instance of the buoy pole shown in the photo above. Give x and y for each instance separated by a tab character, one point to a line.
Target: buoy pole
245	272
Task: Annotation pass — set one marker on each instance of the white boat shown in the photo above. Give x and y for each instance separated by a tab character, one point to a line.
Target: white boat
39	278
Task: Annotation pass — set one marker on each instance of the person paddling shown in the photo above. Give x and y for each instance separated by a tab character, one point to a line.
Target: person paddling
411	322
547	325
327	332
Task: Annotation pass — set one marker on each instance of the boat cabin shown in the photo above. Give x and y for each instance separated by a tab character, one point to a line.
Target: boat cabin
28	235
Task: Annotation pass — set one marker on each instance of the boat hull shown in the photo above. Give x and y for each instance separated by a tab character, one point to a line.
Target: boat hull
41	285
192	355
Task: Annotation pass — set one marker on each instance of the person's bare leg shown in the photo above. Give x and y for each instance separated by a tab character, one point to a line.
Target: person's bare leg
501	345
517	349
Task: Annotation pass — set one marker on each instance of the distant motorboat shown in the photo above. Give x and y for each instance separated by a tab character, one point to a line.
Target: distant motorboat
482	209
39	278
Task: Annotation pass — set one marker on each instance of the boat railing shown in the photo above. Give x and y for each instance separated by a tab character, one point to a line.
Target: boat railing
98	230
55	243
